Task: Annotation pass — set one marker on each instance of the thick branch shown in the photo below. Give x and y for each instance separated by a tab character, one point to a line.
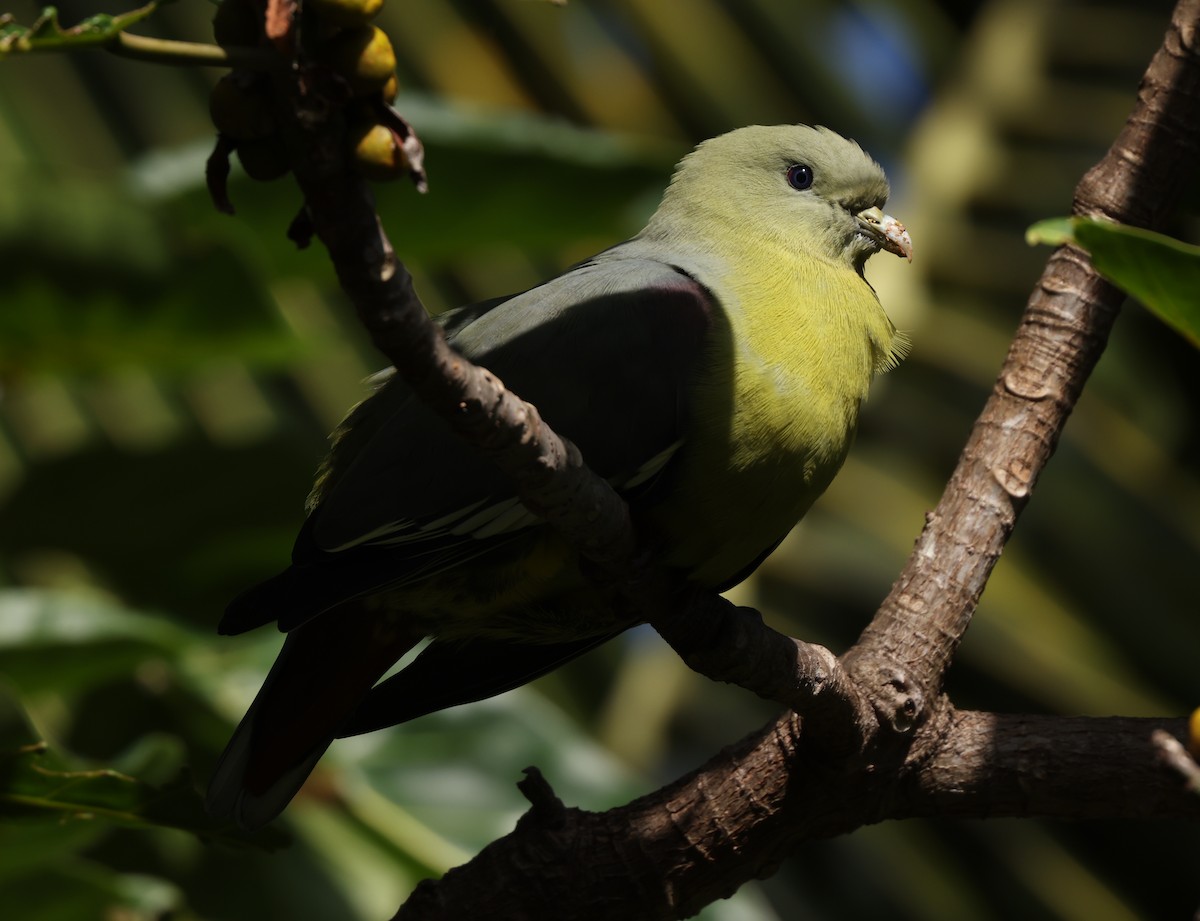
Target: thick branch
992	765
732	644
667	855
1065	327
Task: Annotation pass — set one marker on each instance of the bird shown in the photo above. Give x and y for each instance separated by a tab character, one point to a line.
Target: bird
711	368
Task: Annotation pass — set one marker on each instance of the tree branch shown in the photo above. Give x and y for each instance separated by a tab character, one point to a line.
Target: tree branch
912	639
667	855
726	643
992	765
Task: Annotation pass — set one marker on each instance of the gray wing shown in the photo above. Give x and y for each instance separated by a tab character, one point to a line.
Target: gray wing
605	353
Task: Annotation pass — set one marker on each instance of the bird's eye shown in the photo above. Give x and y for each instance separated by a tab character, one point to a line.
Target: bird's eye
800	176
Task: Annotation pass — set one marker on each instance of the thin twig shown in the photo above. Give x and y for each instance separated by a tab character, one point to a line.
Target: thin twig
191	54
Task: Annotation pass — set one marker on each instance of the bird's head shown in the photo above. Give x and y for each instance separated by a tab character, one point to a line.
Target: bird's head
808	188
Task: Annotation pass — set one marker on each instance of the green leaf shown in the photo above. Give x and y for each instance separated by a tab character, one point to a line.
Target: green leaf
46	34
34	788
1161	272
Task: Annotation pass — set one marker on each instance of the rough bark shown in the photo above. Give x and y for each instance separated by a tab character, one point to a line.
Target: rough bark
668	854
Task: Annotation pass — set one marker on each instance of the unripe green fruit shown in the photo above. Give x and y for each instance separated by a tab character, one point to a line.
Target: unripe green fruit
263	159
239	110
377	152
238	22
362	56
345	13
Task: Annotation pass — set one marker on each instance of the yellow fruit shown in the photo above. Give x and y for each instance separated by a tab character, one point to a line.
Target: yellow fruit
1194	733
239	109
362	56
377	152
391	88
345	12
238	22
263	159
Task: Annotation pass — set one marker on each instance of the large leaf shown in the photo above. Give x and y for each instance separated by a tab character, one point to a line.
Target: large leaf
1160	271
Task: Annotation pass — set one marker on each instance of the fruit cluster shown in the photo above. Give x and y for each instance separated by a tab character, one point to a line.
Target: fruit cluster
357	52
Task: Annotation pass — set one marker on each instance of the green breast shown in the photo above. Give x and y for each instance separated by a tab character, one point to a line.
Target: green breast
773	410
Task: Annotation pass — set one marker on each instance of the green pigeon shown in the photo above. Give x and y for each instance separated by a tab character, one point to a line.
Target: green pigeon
711	368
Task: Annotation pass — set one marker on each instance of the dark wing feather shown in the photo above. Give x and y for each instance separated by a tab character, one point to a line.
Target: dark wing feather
604	352
324	671
449	673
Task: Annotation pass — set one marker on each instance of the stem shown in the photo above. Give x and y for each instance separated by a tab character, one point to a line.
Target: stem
191	54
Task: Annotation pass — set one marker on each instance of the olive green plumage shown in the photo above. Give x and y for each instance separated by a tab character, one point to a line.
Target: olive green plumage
711	368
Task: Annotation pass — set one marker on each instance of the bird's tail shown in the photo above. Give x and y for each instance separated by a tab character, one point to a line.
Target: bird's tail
325	670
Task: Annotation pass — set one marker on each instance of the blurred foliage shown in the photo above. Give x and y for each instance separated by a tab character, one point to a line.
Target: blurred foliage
145	291
169	375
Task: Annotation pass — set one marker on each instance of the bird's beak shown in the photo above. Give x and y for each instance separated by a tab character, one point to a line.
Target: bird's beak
885	230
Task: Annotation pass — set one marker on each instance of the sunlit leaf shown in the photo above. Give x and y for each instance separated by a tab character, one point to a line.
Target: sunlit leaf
1161	272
